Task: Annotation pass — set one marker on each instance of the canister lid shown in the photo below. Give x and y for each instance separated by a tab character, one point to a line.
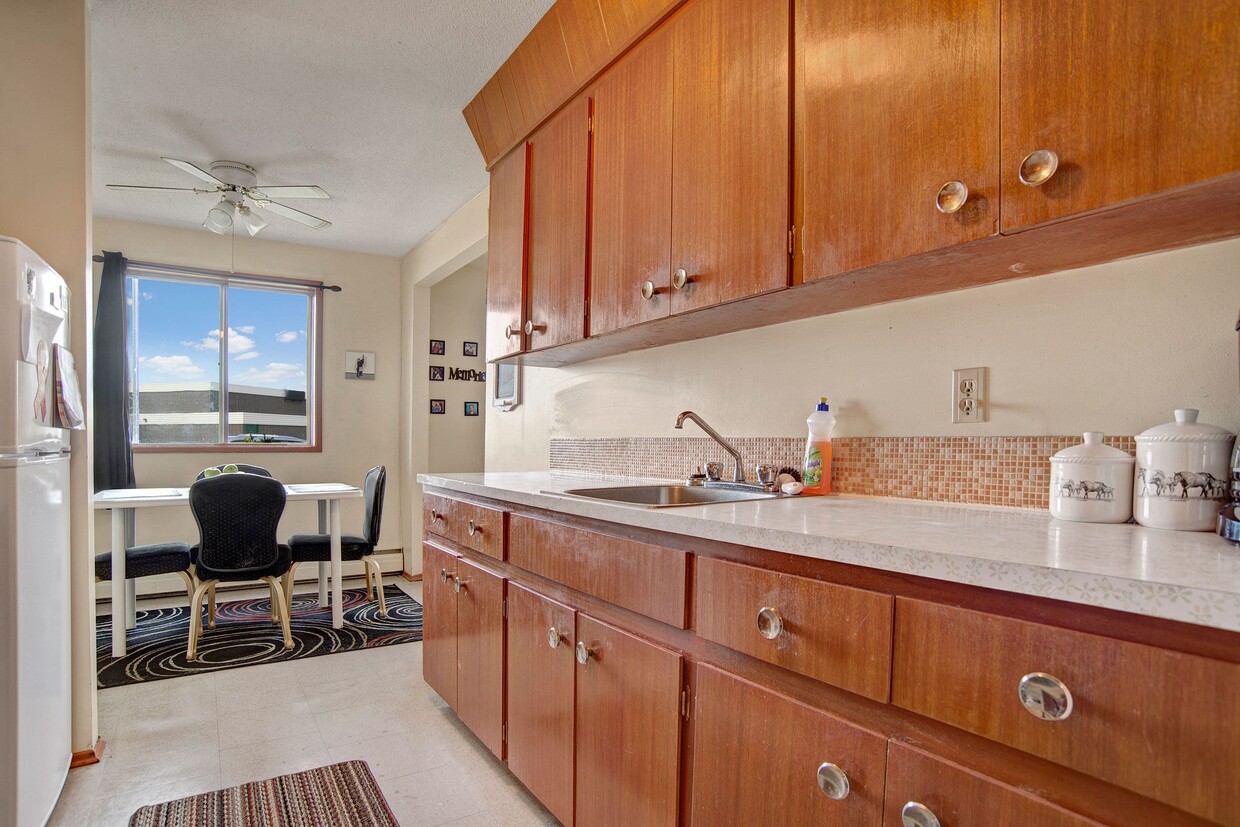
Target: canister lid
1186	428
1093	450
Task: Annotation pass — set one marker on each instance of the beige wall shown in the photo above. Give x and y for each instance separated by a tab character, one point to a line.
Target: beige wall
360	419
1113	348
457	315
45	202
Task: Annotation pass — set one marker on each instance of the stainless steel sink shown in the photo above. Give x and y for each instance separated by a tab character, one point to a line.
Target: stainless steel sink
668	496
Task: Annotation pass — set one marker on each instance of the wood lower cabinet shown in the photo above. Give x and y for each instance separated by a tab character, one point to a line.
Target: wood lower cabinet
1134	97
925	791
507	237
758	756
541	678
627	728
439	621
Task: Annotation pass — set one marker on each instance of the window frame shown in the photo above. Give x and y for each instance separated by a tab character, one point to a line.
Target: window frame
314	370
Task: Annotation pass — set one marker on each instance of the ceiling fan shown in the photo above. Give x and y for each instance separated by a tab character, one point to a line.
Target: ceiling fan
240	196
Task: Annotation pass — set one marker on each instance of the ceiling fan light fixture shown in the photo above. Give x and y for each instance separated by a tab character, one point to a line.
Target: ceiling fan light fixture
220	217
251	220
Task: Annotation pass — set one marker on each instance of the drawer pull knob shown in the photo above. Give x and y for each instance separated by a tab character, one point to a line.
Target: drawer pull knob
1037	167
531	328
457	585
681	279
474	529
770	624
553	638
648	290
918	815
951	197
583	652
443	575
1045	696
833	781
510	331
436	516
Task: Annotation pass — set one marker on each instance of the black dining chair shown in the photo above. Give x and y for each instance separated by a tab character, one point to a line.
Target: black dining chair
148	561
241	468
316	548
238	516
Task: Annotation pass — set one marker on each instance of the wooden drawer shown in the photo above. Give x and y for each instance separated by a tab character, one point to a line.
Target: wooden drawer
837	634
1161	723
648	579
473	526
957	796
757	753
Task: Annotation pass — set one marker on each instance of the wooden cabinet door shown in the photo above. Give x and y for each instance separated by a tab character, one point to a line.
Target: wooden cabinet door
757	754
628	729
893	102
1134	96
730	149
559	166
439	622
630	215
506	254
957	796
480	654
540	697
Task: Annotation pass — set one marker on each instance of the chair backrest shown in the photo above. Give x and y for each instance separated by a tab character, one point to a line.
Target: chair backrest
257	470
237	516
376	482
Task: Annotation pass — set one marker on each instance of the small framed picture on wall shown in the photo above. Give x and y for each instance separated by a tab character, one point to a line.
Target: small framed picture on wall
471	348
471	408
437	347
436	373
439	406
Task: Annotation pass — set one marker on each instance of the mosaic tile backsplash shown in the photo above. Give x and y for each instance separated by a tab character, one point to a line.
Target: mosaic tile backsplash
996	470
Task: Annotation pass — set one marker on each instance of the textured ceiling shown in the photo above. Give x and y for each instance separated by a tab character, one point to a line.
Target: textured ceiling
361	98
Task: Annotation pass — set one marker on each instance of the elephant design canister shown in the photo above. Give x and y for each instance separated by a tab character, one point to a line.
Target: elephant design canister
1182	474
1090	482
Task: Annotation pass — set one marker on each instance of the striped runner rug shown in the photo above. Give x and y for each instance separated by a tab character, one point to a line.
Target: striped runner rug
341	795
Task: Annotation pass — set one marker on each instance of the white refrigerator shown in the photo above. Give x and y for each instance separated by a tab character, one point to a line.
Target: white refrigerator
35	706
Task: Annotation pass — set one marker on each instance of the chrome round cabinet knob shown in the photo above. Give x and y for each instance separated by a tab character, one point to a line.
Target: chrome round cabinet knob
510	331
474	529
443	575
648	290
583	652
770	624
553	638
951	197
680	279
436	516
918	815
1045	696
531	328
457	585
833	781
1037	167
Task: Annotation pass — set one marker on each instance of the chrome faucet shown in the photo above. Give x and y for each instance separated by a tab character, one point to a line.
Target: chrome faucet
739	474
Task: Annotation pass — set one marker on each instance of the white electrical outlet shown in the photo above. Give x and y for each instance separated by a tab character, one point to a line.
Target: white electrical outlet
969	395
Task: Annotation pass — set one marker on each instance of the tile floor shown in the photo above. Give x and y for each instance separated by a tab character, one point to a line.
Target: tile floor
189	735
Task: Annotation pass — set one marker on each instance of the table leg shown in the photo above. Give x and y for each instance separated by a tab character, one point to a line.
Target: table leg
118	582
131	603
323	567
337	607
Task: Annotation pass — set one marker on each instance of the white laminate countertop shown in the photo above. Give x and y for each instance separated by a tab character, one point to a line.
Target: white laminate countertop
1187	576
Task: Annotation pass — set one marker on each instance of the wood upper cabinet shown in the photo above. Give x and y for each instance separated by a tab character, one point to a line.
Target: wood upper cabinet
730	149
1133	96
926	784
895	102
556	284
506	254
628	729
631	222
479	597
439	622
541	673
758	757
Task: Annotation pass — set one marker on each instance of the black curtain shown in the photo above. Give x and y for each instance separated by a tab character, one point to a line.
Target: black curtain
113	451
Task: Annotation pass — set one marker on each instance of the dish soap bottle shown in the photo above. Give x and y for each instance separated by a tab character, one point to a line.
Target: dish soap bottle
817	476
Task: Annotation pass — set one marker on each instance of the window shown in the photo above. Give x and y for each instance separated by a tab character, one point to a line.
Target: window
192	334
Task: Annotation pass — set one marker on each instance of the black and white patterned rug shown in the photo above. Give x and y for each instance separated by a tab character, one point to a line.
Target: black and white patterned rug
244	635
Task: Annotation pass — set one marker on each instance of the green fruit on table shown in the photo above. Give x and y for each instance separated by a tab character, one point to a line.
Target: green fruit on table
230	468
210	472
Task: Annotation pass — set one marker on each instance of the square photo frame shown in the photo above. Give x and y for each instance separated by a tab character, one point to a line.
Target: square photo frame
439	406
471	408
471	349
437	347
436	373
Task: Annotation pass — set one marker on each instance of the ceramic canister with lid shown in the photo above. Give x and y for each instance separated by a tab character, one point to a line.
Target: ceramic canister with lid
1182	473
1090	482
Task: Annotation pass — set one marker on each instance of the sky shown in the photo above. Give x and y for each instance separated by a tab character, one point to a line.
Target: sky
178	333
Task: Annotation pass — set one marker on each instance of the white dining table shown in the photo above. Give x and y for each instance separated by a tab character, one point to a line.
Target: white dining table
121	501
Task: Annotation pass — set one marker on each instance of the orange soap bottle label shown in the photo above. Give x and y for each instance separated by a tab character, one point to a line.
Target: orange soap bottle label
817	476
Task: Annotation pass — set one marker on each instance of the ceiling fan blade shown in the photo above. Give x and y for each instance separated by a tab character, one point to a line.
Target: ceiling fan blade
164	189
297	215
305	191
197	172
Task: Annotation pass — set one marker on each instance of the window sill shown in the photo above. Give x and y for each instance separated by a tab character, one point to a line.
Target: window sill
230	448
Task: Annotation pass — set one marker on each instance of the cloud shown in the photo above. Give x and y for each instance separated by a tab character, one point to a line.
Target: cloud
286	336
249	354
146	297
238	342
246	328
273	374
178	366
